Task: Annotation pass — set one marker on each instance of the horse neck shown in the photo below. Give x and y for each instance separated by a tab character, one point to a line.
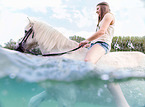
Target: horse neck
51	40
67	44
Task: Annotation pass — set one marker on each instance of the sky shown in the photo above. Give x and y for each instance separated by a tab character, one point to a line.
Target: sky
71	17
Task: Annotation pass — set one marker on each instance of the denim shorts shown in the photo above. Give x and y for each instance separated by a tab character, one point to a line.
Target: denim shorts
103	44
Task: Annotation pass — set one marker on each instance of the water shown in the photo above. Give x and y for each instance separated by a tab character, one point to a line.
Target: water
63	82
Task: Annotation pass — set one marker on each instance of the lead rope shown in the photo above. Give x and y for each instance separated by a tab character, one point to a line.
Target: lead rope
57	54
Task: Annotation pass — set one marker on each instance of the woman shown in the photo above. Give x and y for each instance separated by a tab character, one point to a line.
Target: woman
102	38
101	45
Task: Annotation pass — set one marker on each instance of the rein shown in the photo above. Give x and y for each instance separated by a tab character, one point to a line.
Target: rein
57	54
27	34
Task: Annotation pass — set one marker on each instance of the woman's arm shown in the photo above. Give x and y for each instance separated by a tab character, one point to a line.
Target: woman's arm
106	21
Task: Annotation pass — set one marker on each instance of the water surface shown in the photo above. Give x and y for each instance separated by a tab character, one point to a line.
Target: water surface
63	82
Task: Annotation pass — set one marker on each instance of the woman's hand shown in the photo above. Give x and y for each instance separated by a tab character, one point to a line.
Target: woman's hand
87	45
83	43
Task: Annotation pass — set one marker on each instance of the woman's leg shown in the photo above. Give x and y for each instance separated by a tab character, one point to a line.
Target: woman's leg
118	95
95	53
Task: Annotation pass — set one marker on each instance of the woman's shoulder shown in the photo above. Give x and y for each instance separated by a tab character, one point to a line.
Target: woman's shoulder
111	17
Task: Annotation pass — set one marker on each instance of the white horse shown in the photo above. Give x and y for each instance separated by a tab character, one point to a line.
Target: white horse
51	40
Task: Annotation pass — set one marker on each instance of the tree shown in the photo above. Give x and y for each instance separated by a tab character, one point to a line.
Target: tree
10	45
77	38
128	44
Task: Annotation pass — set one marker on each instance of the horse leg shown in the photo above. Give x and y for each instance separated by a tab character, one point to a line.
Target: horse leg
36	100
65	103
118	95
67	97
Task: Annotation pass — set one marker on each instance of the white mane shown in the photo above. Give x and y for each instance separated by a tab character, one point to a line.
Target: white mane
49	39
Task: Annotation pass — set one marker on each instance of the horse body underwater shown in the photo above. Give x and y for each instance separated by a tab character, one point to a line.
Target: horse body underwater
51	40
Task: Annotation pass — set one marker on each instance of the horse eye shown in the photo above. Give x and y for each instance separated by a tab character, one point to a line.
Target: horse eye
25	31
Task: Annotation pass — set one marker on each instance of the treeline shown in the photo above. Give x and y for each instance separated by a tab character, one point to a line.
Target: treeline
128	44
118	43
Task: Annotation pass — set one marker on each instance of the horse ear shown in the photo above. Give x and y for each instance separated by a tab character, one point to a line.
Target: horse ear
29	20
31	24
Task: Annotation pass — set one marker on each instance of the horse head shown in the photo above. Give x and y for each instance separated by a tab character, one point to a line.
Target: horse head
28	42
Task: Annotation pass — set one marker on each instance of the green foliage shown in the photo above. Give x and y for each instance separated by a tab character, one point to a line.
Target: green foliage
36	50
10	45
128	44
77	38
122	43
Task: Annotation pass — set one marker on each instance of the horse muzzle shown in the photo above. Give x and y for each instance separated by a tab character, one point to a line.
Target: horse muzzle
19	48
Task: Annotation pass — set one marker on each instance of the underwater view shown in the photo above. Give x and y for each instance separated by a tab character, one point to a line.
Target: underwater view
35	81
